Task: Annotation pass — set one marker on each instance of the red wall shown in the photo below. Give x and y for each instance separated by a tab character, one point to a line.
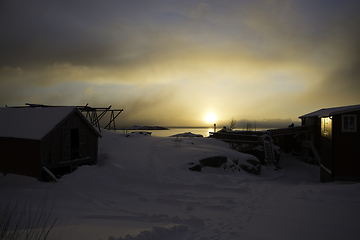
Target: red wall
346	149
20	156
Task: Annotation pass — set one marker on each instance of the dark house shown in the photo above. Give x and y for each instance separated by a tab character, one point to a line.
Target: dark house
312	119
35	140
337	137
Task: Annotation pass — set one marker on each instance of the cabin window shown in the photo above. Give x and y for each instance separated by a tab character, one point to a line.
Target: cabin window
349	123
326	126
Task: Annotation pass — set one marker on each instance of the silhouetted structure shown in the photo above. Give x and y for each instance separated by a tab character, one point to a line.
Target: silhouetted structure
57	138
94	115
250	142
289	139
336	139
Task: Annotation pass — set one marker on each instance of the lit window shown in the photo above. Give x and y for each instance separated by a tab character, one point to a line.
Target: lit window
349	123
326	126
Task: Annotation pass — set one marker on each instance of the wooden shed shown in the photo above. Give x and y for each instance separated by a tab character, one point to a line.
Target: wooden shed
338	138
312	120
33	140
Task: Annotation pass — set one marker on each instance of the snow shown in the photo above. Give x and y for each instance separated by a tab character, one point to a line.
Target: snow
187	134
31	123
142	189
326	112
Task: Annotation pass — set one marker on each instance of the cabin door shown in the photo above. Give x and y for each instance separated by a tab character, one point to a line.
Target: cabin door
83	152
71	144
75	143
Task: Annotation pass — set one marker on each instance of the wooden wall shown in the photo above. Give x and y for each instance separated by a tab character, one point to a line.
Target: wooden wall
20	156
340	151
27	157
56	147
346	150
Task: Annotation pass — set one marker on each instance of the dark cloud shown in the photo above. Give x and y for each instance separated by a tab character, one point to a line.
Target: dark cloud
264	55
340	84
73	31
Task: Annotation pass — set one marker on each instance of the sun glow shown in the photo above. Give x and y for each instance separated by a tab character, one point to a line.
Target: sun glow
210	118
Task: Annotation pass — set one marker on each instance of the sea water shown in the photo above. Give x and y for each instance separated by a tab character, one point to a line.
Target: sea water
204	131
173	131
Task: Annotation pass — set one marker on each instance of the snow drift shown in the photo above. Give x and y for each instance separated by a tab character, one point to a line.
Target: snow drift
142	188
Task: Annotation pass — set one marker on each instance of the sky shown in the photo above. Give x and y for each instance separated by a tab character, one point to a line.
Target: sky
171	63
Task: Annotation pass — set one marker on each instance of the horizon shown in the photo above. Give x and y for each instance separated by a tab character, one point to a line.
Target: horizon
183	63
219	126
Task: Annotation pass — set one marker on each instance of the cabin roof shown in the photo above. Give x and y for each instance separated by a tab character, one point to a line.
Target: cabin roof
325	112
32	123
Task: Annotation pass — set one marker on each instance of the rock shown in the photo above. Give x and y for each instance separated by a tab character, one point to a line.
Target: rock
196	168
216	162
253	167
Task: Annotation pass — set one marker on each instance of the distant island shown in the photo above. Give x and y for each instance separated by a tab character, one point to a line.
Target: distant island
135	127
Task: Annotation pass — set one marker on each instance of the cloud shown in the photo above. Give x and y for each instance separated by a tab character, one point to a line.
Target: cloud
148	53
89	91
202	11
246	59
11	75
339	46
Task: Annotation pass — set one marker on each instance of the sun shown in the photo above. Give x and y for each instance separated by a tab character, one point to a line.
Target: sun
210	118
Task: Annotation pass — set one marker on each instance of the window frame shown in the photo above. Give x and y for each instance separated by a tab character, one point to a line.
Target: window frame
346	119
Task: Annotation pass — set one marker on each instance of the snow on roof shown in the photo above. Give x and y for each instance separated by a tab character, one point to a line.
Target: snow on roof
31	123
331	111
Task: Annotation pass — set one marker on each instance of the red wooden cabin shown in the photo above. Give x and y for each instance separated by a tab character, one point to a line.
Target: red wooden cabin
337	136
57	138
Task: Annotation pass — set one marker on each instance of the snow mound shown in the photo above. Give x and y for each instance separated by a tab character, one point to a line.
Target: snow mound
142	188
187	134
142	133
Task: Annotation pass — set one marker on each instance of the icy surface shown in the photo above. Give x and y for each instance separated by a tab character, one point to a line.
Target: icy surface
142	189
31	123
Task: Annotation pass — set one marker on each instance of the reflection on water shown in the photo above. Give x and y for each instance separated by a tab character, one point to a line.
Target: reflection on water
178	130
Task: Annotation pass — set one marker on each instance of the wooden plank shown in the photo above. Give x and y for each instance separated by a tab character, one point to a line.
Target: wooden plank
50	173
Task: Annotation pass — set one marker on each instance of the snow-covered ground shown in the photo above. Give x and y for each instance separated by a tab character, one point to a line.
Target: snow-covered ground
142	189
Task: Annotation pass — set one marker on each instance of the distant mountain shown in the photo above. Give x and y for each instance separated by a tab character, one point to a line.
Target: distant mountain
143	128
